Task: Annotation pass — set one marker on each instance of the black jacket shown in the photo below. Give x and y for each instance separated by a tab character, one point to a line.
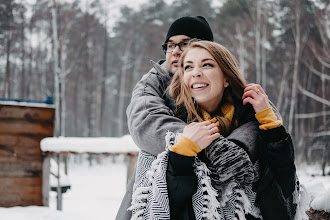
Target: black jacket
274	188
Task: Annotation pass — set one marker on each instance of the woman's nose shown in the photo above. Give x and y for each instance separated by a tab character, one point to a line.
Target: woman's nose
197	72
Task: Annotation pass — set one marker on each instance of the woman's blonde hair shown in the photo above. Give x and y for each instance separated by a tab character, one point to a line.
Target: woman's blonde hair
231	72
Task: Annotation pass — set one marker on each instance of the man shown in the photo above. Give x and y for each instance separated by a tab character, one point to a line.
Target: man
151	113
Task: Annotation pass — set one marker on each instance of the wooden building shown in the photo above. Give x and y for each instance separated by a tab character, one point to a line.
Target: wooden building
22	127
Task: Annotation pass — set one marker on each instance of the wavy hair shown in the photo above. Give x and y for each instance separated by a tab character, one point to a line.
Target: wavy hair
231	72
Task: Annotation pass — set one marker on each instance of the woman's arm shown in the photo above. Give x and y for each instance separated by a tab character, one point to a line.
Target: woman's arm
180	176
277	179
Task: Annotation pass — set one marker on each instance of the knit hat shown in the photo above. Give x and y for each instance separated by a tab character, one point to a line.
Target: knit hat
193	27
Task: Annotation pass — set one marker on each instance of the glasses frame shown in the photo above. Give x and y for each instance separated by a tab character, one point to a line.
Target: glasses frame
164	46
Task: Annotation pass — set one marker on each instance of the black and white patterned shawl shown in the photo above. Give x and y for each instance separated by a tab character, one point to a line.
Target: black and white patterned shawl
229	200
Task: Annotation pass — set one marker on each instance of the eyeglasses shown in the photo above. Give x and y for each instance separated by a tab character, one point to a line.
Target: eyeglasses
169	47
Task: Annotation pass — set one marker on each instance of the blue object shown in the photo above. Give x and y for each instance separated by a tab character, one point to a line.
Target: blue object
49	100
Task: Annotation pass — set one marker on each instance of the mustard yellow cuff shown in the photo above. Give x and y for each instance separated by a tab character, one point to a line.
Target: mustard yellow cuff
186	147
267	119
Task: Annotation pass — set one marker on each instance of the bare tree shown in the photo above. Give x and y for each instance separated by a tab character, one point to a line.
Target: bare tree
56	71
300	40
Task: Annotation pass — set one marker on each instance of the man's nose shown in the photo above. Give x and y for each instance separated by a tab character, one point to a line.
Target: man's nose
177	51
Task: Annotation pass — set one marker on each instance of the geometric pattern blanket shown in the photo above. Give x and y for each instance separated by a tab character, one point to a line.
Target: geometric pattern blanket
150	197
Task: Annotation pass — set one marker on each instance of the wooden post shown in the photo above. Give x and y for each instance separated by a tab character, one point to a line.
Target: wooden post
59	189
45	180
131	165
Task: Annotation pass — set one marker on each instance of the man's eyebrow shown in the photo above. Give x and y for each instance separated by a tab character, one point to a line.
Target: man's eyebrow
183	40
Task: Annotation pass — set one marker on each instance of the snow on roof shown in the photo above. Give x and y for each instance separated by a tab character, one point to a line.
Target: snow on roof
89	144
27	104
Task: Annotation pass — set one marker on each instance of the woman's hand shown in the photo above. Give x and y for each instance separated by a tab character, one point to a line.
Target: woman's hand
202	133
256	96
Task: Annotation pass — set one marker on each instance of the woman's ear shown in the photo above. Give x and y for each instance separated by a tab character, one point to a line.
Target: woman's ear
226	84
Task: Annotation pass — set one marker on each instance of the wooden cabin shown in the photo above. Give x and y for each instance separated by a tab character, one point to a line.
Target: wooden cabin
22	126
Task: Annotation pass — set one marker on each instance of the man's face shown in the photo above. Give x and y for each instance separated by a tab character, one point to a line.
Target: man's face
172	58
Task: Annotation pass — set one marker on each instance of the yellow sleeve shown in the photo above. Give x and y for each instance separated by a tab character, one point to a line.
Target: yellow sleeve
186	147
267	119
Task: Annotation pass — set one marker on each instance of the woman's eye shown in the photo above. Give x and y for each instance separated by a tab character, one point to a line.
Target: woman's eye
208	64
187	67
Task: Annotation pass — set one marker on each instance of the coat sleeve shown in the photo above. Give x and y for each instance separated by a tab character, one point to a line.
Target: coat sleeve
278	151
277	179
181	185
148	115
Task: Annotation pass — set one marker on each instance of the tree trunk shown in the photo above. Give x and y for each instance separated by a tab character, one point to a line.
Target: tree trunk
282	86
257	38
6	81
122	88
263	55
241	50
56	72
295	68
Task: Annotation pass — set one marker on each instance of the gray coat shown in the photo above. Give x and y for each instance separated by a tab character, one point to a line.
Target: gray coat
151	114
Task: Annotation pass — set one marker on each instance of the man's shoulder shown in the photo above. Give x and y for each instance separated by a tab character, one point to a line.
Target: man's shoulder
158	73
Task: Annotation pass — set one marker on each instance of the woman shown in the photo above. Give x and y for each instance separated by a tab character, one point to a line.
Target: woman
224	180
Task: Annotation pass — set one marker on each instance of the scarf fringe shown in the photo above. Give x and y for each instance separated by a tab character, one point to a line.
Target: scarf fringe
171	139
210	203
140	196
302	198
243	204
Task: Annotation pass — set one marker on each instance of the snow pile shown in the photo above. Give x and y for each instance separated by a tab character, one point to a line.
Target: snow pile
89	145
322	202
317	186
53	181
36	213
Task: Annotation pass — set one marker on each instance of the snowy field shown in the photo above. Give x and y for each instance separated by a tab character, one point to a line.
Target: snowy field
97	191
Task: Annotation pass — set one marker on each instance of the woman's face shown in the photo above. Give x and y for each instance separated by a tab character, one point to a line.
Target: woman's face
204	78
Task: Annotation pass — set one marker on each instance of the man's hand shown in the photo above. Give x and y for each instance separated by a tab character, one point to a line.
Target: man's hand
202	133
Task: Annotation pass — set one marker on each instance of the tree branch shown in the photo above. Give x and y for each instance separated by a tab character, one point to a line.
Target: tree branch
312	115
320	134
312	95
320	74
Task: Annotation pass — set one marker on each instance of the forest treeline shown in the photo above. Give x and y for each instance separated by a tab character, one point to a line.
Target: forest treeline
284	45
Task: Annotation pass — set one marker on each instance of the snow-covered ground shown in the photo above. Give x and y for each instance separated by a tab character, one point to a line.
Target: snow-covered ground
97	191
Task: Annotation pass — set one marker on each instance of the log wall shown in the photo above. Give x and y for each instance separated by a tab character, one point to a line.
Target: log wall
22	127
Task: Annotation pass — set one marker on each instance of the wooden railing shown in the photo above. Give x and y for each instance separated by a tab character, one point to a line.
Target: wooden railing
59	147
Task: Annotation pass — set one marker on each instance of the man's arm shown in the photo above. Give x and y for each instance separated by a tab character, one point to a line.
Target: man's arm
148	116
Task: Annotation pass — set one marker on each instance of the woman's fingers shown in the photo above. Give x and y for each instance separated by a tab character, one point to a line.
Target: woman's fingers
256	96
255	87
250	93
202	133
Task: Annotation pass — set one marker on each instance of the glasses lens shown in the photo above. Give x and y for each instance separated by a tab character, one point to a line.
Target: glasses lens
184	45
169	47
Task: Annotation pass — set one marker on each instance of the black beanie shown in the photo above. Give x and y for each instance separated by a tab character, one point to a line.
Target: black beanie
193	27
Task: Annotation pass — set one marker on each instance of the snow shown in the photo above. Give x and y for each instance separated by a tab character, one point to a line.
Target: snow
89	144
53	181
318	186
96	191
322	202
27	104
